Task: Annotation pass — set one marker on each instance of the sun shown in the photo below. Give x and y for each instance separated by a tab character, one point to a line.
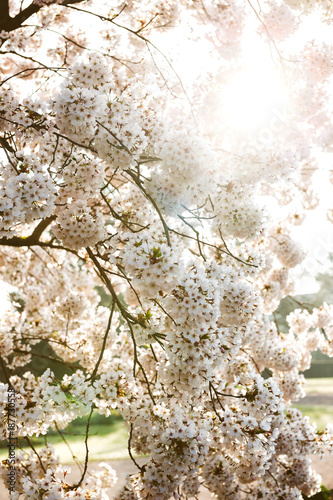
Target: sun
254	93
252	98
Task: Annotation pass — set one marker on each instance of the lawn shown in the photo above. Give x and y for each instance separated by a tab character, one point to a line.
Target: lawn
321	414
319	385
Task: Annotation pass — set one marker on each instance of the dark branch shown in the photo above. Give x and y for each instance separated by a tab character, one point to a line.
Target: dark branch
31	240
13	23
4	143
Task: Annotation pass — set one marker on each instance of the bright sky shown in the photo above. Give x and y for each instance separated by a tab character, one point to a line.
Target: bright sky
316	232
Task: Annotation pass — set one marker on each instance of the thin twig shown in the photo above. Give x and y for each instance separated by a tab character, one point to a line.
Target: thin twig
129	447
77	485
78	463
36	453
93	375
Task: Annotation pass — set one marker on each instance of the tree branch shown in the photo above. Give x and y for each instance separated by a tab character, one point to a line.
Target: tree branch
31	240
12	23
4	143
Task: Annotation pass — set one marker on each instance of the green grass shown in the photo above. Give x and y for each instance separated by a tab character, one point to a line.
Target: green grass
107	440
319	385
320	414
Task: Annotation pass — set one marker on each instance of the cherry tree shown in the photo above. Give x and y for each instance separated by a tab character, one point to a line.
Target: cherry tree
158	155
